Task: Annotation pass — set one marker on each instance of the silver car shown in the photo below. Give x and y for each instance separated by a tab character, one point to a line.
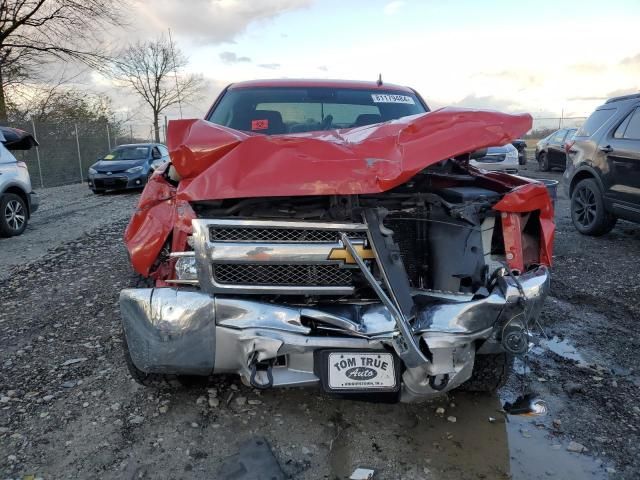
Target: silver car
504	159
17	200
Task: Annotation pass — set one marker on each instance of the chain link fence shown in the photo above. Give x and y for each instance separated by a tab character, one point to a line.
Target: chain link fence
68	149
545	126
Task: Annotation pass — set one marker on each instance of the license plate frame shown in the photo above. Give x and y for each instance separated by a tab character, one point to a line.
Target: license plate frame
335	380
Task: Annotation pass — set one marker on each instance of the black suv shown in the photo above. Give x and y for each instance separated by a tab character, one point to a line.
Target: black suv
603	167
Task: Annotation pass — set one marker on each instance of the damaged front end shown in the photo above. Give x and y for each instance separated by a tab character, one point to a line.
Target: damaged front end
396	288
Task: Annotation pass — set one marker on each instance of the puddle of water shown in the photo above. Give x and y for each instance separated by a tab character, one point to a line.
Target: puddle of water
413	442
563	348
536	455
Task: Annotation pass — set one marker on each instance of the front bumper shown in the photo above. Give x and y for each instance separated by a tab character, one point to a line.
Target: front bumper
507	165
117	181
183	331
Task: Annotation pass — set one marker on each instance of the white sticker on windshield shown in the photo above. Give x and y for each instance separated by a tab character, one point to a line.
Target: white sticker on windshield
391	98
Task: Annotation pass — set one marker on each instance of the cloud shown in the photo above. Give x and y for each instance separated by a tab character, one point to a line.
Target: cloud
270	66
587	98
323	68
210	21
230	58
392	7
489	102
521	77
631	61
588	68
622	91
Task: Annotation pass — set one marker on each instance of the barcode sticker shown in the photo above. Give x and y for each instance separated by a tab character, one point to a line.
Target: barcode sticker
392	98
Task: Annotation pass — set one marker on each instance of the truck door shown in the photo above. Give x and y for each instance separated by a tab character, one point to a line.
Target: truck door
622	150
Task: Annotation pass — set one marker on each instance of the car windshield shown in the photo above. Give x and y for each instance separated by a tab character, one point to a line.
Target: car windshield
128	153
295	110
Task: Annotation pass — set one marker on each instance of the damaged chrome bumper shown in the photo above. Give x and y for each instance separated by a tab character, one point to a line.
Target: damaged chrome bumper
183	331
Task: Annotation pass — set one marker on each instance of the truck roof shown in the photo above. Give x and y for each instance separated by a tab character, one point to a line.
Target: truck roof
323	83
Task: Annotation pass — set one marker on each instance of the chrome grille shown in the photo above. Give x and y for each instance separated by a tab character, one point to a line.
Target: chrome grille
284	275
247	256
276	235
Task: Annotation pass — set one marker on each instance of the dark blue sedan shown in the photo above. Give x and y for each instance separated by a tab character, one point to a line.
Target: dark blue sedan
127	166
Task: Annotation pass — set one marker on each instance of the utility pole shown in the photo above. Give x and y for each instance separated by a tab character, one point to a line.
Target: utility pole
175	72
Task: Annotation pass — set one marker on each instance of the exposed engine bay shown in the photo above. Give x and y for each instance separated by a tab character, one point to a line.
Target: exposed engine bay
443	225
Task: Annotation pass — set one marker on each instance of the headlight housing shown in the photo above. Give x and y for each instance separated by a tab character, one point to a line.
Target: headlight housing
92	171
186	268
135	169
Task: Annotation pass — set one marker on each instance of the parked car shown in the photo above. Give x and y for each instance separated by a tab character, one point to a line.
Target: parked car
504	159
17	200
521	146
332	233
550	151
127	166
603	172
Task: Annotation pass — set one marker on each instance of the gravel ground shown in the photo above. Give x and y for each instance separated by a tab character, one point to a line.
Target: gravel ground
65	213
68	408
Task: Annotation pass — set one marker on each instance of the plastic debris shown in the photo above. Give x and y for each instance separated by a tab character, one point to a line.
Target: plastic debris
362	474
526	405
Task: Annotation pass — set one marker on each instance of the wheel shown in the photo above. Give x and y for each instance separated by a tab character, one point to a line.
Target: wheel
543	162
98	191
490	372
13	215
588	212
522	159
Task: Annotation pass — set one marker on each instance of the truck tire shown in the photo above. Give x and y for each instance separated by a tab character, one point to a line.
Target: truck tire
588	213
543	162
490	372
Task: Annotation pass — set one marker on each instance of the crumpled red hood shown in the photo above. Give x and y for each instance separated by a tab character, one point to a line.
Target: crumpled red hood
215	162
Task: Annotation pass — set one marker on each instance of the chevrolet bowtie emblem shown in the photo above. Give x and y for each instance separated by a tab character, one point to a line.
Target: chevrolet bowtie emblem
344	255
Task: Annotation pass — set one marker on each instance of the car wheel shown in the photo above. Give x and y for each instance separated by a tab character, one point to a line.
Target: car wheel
588	212
97	191
543	162
13	215
490	372
522	159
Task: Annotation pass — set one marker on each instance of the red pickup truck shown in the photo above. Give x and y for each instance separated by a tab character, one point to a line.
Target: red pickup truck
333	233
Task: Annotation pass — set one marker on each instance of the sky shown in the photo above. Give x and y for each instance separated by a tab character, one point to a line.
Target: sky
545	57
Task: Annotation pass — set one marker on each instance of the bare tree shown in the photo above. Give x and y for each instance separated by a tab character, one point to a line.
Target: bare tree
33	32
152	70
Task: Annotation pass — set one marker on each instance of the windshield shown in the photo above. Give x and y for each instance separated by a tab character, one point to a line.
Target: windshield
128	153
294	109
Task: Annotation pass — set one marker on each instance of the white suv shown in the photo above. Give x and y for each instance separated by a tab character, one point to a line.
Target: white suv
17	200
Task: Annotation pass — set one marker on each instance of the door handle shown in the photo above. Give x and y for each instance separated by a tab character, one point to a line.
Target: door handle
607	149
